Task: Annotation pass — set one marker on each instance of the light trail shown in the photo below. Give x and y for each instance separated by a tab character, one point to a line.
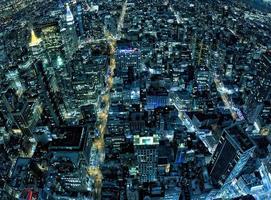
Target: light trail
235	112
122	16
102	113
187	122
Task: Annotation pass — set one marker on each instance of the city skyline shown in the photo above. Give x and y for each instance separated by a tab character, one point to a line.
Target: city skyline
135	100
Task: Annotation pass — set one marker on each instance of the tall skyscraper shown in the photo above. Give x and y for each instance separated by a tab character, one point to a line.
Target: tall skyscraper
80	18
69	34
48	96
147	157
231	155
35	44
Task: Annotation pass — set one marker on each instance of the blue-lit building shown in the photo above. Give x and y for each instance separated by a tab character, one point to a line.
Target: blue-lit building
156	97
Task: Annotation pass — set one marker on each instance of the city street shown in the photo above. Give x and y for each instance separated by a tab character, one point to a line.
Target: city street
102	112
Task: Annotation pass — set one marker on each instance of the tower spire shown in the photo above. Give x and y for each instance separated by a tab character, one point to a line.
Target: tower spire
35	41
69	15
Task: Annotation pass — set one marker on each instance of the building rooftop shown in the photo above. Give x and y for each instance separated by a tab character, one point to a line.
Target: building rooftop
239	137
146	140
69	138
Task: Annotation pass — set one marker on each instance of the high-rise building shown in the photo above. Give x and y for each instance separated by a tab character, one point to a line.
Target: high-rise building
147	157
69	35
232	153
48	95
80	18
19	112
202	78
128	63
35	44
260	90
51	37
27	115
8	100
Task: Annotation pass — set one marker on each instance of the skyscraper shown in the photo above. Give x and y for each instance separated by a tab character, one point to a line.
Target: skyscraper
80	18
69	34
147	156
51	37
35	44
232	153
261	88
48	96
